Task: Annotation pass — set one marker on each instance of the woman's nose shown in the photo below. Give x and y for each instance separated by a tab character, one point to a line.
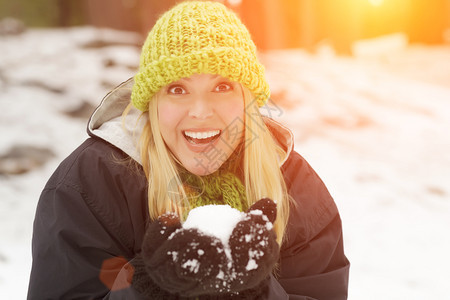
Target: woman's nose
201	109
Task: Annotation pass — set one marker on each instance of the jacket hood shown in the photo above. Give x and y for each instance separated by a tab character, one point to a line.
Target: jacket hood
107	123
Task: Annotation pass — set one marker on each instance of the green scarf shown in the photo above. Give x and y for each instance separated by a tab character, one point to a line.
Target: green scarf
221	187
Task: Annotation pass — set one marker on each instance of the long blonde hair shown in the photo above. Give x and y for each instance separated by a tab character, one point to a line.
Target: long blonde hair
262	174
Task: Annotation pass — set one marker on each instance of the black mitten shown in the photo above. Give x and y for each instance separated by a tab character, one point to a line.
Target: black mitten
144	284
254	248
156	233
189	263
258	292
184	262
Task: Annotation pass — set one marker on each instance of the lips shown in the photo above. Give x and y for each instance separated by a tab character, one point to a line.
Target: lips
201	141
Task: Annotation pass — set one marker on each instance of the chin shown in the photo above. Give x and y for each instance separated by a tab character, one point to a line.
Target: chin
197	168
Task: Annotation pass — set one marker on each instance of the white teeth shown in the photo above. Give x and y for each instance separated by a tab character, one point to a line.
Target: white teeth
201	135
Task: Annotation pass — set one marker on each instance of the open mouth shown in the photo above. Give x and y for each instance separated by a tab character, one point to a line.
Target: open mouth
201	137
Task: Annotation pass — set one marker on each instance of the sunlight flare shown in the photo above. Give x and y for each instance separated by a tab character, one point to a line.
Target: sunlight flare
376	2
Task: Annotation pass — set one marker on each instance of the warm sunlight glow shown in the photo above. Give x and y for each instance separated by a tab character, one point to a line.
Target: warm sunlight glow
376	2
309	23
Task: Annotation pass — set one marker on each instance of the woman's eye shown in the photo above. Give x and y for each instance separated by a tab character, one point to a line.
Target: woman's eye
223	87
176	90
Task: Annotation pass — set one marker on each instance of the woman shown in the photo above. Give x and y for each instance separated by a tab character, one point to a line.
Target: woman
183	133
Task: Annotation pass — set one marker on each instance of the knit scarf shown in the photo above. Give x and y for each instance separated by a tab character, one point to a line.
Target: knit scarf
221	187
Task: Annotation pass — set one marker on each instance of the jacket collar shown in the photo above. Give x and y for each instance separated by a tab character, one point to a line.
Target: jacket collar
106	123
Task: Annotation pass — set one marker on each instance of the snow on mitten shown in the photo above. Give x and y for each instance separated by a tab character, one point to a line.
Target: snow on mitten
188	263
253	245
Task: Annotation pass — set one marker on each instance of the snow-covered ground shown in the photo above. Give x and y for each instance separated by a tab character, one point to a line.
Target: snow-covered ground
375	128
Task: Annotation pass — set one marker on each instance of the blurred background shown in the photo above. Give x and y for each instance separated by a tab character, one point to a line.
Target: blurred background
273	24
363	84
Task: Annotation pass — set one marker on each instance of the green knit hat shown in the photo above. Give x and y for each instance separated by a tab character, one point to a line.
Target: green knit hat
197	37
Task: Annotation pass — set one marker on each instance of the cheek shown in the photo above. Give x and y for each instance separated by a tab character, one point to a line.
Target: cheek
232	103
233	116
233	112
169	117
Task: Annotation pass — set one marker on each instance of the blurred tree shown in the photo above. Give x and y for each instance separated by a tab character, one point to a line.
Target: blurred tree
273	24
150	10
71	12
45	13
31	12
117	14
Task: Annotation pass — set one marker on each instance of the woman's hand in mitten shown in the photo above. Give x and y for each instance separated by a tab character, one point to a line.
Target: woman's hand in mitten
253	246
156	233
142	282
183	261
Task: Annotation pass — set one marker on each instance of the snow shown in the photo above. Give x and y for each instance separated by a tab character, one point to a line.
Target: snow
375	128
192	264
252	254
214	220
258	212
251	265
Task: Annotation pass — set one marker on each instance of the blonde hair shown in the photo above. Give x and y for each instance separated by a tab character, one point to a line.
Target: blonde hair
262	174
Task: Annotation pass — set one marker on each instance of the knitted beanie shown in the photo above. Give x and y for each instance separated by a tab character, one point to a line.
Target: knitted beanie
197	37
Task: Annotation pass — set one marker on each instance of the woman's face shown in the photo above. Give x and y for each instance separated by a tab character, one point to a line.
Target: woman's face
201	119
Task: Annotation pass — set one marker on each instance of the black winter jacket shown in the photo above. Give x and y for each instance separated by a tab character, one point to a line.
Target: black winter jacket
91	218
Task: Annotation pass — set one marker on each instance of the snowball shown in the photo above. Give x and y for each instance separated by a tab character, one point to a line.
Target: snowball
214	220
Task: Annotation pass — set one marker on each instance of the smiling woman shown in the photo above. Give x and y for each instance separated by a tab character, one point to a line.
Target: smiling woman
184	133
